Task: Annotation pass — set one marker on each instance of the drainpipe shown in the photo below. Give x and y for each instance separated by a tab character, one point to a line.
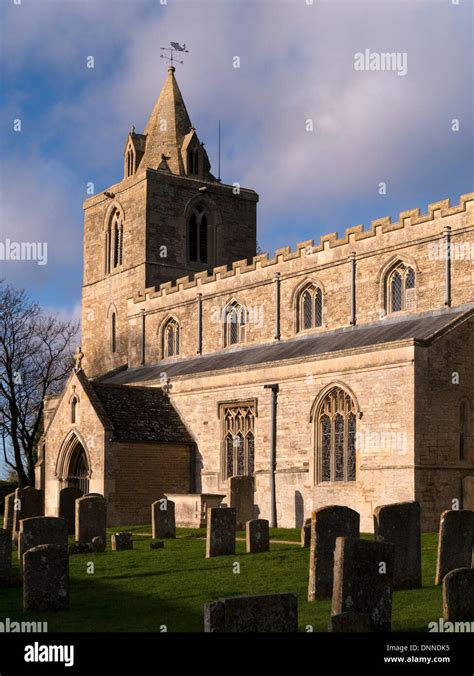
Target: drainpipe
447	268
277	305
199	321
142	341
273	430
352	259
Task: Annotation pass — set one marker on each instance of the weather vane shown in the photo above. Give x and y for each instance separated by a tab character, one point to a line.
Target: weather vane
175	47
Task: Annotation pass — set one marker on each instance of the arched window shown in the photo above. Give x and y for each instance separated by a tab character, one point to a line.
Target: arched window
113	332
239	439
336	435
130	162
400	289
193	161
235	318
171	339
310	308
74	406
198	235
114	242
463	431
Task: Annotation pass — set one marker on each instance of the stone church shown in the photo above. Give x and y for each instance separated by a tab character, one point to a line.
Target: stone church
340	372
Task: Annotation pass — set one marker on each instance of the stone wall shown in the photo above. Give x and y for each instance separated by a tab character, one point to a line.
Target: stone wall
139	474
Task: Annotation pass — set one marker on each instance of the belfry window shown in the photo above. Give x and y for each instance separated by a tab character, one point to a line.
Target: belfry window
113	332
171	339
238	440
198	235
193	161
235	319
400	289
74	406
114	243
336	436
130	162
310	308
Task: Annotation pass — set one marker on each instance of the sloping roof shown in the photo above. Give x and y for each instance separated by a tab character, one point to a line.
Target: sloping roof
421	328
141	414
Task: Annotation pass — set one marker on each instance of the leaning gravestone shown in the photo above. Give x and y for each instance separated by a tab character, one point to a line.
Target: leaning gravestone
458	595
455	543
363	575
41	530
306	533
268	613
5	556
163	522
91	518
257	536
221	527
28	502
67	506
400	524
241	494
8	513
122	541
46	578
327	524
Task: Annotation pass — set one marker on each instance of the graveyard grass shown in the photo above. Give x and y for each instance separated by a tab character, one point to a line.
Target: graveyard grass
144	589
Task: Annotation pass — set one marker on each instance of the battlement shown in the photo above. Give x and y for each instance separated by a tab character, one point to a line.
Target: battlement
378	228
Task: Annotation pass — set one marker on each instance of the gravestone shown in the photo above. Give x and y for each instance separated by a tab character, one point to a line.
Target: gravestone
91	518
8	513
220	535
46	578
122	541
458	595
241	495
5	556
67	506
257	536
163	522
28	502
456	539
306	533
267	613
468	493
349	622
41	530
327	524
98	544
363	576
400	524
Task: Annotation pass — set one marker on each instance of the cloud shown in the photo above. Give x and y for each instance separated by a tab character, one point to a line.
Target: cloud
296	64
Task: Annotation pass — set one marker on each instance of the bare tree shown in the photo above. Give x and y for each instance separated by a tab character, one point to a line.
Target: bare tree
35	359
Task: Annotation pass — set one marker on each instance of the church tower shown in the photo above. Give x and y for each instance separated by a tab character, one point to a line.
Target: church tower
169	217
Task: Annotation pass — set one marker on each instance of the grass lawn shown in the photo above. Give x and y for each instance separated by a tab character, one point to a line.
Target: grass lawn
141	590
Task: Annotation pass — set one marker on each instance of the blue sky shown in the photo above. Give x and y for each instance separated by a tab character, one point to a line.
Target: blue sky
296	64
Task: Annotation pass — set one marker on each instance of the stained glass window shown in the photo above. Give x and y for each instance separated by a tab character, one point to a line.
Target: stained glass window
310	308
239	439
337	437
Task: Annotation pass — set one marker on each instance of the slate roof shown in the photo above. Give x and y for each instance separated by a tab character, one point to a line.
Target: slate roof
421	328
141	414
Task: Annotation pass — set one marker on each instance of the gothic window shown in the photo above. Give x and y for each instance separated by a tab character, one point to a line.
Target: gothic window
114	243
171	339
463	431
74	405
400	291
193	161
198	235
113	332
238	439
235	317
336	436
310	308
130	162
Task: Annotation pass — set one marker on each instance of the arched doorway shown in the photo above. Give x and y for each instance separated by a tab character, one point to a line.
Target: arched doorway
77	475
